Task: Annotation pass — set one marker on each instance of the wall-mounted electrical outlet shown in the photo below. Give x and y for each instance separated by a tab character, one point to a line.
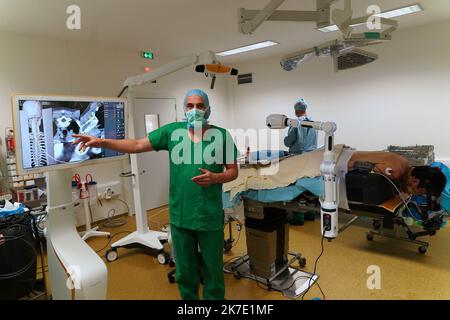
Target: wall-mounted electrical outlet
109	190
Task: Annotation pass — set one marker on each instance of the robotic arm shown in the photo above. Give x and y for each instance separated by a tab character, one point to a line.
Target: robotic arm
329	210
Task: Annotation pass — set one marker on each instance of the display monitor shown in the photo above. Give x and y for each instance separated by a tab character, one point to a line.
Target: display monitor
44	127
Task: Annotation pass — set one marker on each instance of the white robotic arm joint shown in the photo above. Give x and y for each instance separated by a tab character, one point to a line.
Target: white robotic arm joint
329	205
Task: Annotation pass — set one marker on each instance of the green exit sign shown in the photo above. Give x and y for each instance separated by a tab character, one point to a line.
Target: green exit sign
148	55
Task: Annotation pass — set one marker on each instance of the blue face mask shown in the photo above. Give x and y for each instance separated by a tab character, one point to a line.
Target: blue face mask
196	118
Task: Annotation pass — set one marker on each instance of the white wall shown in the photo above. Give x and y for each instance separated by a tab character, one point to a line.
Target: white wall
49	66
402	99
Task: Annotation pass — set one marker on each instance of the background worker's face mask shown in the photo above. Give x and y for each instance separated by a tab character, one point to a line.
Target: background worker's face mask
196	118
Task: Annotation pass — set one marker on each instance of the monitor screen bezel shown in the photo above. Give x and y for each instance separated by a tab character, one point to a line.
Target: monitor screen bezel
18	137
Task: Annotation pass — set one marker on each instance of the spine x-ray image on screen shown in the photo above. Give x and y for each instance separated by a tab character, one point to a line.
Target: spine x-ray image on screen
47	129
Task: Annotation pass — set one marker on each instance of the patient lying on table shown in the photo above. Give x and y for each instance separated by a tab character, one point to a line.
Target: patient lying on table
412	180
301	173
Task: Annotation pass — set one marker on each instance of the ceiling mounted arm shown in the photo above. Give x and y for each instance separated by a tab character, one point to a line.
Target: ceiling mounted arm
193	59
249	26
250	20
343	18
324	12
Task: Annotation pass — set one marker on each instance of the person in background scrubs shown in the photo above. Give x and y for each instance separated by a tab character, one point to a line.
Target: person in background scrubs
301	140
202	158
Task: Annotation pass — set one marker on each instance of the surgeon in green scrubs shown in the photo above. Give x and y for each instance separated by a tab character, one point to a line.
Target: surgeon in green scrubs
202	158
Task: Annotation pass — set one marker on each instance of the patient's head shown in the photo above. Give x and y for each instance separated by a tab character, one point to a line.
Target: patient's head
426	179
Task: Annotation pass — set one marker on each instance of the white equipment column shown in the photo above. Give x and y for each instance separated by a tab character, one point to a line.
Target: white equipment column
76	271
143	235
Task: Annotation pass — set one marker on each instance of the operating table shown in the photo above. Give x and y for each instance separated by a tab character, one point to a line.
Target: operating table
372	196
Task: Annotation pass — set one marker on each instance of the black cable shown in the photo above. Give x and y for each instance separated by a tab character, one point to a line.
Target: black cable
235	258
123	90
238	223
315	265
256	279
42	217
305	277
321	291
110	239
118	223
6	276
126	204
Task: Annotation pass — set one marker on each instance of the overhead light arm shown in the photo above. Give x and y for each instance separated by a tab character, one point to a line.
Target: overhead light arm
281	15
250	20
248	27
138	80
343	18
323	11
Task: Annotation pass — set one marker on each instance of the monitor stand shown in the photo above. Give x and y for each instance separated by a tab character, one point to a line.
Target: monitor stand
76	271
143	237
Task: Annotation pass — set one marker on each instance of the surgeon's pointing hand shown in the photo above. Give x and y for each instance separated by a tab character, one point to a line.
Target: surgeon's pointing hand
206	179
87	141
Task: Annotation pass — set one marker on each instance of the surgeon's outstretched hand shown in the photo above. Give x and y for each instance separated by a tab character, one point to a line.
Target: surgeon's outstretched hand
85	141
206	179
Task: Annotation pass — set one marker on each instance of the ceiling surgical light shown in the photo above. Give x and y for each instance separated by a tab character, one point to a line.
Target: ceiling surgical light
344	51
345	54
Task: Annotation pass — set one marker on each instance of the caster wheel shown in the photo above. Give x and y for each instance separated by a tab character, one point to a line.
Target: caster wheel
163	258
237	275
423	250
369	237
172	279
172	263
376	225
302	262
111	255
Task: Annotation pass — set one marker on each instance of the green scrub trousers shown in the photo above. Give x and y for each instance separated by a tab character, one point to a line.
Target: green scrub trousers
197	251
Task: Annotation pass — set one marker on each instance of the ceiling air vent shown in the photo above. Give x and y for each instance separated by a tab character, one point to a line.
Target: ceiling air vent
245	78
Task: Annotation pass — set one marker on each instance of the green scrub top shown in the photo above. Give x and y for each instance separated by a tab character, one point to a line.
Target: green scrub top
192	206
